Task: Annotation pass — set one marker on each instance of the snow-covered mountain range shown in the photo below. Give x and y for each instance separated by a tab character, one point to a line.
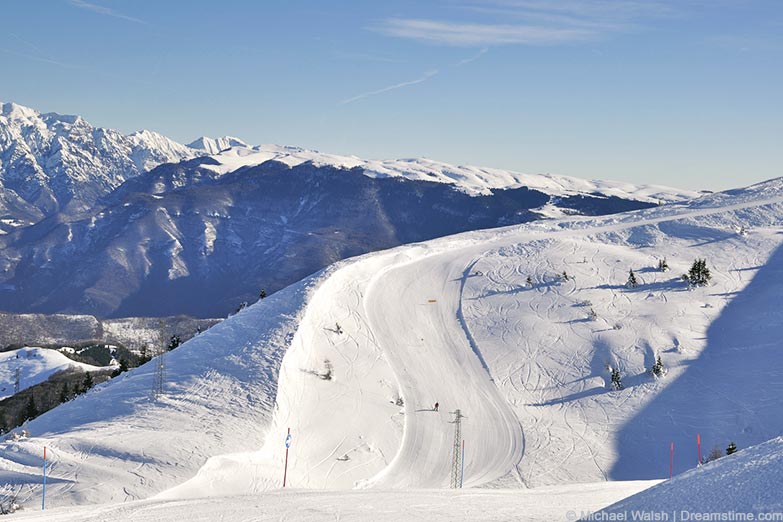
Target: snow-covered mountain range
49	162
352	360
87	227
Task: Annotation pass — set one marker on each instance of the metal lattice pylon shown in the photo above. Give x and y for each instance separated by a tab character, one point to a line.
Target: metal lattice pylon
160	375
456	457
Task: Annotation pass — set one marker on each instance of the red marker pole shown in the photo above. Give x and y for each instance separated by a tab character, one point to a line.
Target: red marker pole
287	445
698	445
671	459
43	495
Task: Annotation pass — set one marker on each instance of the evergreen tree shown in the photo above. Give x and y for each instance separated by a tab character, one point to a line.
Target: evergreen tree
262	294
144	356
632	282
65	393
87	382
122	368
31	411
617	381
699	274
657	368
731	449
663	266
174	342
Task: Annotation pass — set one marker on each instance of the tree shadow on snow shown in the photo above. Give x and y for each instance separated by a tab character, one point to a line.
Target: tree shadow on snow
732	392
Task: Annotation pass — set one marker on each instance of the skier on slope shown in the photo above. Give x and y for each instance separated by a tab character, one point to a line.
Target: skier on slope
436	407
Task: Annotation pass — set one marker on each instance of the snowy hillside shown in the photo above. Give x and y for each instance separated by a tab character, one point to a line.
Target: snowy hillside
472	180
746	482
35	365
50	161
453	320
185	239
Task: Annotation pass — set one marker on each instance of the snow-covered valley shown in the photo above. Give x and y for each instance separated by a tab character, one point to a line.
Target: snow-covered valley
353	359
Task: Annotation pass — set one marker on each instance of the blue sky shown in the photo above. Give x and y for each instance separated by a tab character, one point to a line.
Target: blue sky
687	93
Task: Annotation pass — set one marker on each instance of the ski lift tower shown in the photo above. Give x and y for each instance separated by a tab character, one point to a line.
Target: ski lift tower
456	457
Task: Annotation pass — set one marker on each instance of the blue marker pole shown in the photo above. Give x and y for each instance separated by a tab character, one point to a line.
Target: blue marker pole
43	497
462	475
287	445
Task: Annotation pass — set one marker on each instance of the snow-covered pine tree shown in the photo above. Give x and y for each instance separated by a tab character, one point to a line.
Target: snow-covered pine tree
632	282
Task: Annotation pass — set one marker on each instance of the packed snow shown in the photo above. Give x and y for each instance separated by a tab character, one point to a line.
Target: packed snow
747	482
353	359
379	505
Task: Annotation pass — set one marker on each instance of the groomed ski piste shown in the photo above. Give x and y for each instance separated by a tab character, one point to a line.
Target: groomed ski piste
452	321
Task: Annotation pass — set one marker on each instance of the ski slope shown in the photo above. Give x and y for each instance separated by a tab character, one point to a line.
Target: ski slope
35	365
453	321
380	505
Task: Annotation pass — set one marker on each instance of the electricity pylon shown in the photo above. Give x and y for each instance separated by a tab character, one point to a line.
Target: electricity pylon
456	457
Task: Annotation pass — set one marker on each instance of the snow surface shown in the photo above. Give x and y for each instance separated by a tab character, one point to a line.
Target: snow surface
542	504
35	365
451	320
745	482
473	180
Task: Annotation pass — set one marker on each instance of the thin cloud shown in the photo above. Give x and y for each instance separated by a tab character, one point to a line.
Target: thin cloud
473	58
422	79
81	4
529	22
41	59
473	35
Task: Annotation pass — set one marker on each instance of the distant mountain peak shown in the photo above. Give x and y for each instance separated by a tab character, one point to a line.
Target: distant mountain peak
50	161
216	145
13	110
